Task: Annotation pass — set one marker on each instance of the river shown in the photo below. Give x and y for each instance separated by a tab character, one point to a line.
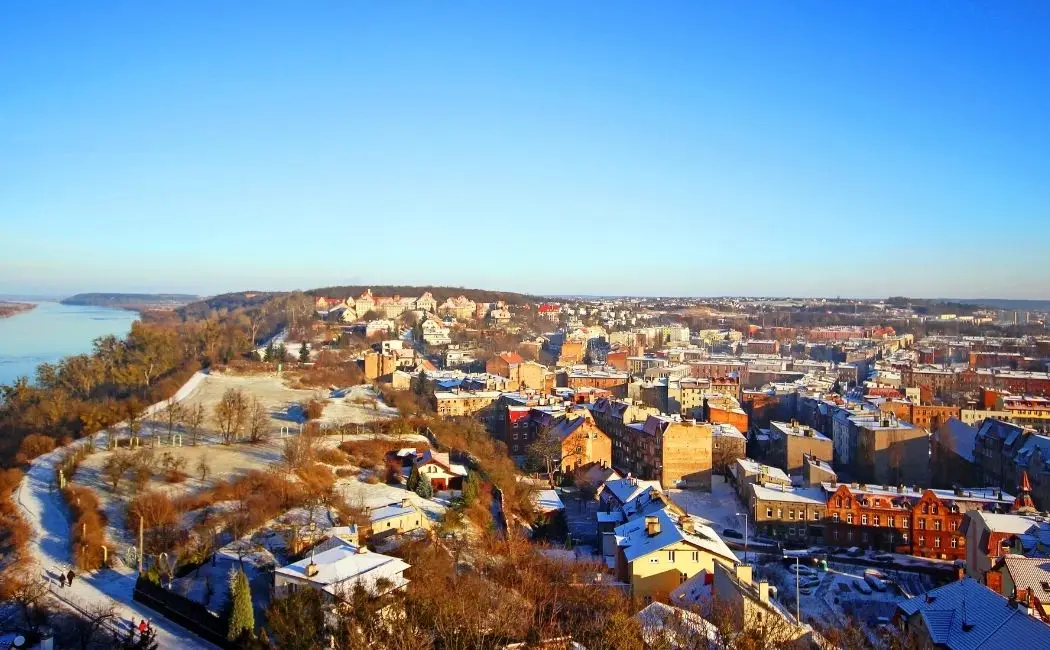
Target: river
52	331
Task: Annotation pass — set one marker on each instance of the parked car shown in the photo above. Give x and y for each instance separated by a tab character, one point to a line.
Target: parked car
862	587
730	532
875	583
842	587
883	558
802	570
855	551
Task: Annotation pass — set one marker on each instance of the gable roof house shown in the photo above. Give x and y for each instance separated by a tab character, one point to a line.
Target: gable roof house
339	569
657	551
966	615
443	474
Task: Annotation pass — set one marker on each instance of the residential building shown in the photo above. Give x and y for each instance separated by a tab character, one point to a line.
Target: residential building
816	472
745	472
890	451
966	615
659	551
728	445
1026	580
395	519
951	455
437	468
582	442
1004	451
337	571
611	380
783	512
461	403
789	442
928	417
916	521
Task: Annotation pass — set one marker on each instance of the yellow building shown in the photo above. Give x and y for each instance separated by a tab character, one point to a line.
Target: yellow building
396	518
659	551
463	403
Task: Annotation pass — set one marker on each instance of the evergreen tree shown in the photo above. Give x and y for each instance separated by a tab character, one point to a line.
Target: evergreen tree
281	353
304	352
424	489
471	489
242	617
270	353
413	480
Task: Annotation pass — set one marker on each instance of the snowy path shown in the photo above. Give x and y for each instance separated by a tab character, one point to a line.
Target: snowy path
47	514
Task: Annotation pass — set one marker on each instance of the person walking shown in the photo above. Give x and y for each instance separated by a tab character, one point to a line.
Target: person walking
62	579
70	576
142	626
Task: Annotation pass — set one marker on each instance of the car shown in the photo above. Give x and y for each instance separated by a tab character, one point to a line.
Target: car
730	532
862	587
875	583
884	557
842	587
855	551
808	583
801	569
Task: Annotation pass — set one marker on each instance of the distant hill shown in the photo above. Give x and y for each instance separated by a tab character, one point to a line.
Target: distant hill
131	300
440	293
201	308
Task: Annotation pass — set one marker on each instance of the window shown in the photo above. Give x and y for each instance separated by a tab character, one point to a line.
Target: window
922	540
891	521
835	517
864	520
838	502
936	542
849	535
849	502
696	556
904	538
875	520
922	524
925	508
849	517
955	542
780	513
835	535
934	509
670	556
955	525
791	514
515	435
816	515
654	560
864	538
936	524
769	512
685	576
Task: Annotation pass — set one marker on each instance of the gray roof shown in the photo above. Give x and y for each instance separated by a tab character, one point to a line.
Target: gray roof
958	437
965	615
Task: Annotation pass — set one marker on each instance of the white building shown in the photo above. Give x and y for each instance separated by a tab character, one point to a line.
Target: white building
339	569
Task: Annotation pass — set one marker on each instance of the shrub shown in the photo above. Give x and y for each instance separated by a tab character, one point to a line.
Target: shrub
34	445
345	472
175	476
88	531
314	408
332	456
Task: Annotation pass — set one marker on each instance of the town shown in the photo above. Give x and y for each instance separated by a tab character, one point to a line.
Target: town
569	473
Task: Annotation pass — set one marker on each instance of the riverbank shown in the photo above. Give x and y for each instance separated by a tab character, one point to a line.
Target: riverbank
8	309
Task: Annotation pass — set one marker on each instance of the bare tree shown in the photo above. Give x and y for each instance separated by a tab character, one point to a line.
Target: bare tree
230	414
117	465
545	452
172	416
258	421
193	420
91	621
203	468
26	589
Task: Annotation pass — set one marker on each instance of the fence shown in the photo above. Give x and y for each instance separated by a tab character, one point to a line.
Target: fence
190	614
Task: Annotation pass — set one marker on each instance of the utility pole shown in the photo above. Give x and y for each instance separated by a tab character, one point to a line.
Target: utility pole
798	618
140	543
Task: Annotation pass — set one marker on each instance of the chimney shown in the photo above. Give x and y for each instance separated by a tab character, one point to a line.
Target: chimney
743	573
311	569
652	526
763	592
361	550
404	503
687	525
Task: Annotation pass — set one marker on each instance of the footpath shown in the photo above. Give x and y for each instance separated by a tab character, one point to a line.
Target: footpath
46	512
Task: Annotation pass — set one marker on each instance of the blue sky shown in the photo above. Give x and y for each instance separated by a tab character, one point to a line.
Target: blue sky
697	148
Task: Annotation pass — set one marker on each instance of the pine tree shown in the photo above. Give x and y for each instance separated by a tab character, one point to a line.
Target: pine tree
413	480
304	352
242	617
271	351
424	489
281	354
471	489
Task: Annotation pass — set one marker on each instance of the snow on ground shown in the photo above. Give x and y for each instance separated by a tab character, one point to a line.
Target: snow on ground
718	508
47	514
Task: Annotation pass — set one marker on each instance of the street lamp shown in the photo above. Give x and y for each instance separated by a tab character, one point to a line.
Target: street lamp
744	515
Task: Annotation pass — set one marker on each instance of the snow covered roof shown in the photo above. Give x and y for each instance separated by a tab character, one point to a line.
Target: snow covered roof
812	495
391	511
1032	573
1007	523
637	542
754	467
677	628
346	565
966	615
441	458
958	437
547	501
627	489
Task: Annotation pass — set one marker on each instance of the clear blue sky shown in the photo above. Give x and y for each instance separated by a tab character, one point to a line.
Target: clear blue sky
795	148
